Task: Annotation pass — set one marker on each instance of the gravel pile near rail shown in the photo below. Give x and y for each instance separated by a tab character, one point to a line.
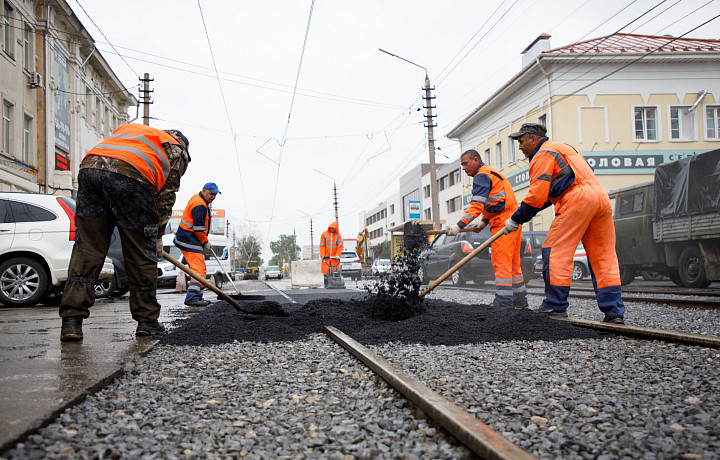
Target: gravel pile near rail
599	397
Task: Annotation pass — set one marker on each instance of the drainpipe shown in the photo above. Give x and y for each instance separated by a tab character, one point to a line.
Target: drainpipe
47	101
701	95
547	78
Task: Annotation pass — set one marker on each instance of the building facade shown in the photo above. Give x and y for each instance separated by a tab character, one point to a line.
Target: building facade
626	102
59	96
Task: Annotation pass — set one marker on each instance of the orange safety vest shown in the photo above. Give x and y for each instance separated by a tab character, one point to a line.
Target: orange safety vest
331	245
500	192
142	147
186	221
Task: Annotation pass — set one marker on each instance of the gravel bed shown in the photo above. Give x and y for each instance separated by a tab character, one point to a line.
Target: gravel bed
567	396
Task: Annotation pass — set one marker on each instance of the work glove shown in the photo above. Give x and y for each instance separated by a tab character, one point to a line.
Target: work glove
453	230
479	228
159	247
511	226
207	248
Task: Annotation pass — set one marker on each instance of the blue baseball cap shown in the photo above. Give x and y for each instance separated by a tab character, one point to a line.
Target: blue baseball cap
212	186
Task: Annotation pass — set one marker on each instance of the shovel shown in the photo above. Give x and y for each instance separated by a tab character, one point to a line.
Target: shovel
462	262
224	272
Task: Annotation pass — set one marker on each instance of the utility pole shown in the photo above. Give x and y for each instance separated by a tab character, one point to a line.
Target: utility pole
335	202
145	98
312	248
430	124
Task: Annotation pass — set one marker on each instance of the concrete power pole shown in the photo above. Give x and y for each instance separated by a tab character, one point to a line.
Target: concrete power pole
335	202
312	247
430	124
145	98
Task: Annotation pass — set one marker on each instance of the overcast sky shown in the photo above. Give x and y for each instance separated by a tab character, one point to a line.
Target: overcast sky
353	116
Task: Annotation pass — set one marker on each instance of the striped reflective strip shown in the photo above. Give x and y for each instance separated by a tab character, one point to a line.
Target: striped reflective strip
497	197
517	279
161	155
187	246
468	217
519	289
506	281
479	199
187	224
198	228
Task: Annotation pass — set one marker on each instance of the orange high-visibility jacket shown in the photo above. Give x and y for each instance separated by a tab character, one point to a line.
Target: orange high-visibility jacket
492	195
195	220
331	245
141	147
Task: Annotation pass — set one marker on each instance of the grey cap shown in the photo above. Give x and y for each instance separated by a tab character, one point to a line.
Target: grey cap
530	128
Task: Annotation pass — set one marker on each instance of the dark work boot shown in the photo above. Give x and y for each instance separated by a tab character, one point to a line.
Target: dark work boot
71	330
150	328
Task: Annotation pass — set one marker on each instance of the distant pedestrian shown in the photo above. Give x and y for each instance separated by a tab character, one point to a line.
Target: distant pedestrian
192	239
129	181
493	197
560	176
331	245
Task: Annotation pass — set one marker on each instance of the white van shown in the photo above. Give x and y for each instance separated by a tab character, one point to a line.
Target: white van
167	272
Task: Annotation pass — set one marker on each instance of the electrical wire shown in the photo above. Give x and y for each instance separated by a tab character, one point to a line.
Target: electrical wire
227	112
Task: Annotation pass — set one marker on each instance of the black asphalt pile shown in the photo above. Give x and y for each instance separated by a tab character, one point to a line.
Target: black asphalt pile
441	323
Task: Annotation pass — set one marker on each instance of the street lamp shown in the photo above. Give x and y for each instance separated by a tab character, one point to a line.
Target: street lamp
335	202
435	210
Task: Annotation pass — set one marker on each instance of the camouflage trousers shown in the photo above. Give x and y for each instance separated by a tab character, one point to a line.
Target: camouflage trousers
106	200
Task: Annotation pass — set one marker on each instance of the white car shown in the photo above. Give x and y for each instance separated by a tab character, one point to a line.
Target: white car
350	265
273	271
581	268
381	266
37	233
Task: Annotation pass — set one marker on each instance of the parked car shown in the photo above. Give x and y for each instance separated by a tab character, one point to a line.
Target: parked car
445	251
239	274
119	284
533	241
350	265
581	267
167	272
380	266
37	233
273	271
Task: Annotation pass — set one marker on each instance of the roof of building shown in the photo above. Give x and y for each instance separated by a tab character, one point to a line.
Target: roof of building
630	43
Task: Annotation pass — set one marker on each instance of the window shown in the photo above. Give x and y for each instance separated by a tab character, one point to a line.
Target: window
426	189
27	140
542	119
498	156
486	157
392	209
631	203
443	183
454	204
712	122
454	177
681	123
8	37
27	50
25	212
511	151
428	215
646	124
6	126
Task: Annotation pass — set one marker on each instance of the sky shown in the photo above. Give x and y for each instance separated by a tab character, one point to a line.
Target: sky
282	99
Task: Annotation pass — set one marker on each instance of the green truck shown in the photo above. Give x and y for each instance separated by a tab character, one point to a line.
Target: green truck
672	225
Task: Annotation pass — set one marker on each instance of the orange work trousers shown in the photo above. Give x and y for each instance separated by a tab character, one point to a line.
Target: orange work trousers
584	213
196	262
505	257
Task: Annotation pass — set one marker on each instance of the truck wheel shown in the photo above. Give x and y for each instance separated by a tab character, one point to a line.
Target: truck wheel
627	275
674	276
691	268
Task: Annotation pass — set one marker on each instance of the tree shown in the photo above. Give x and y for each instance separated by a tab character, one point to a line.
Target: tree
284	250
249	249
382	250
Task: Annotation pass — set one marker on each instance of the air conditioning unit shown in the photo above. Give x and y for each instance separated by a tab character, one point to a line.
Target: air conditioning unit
35	80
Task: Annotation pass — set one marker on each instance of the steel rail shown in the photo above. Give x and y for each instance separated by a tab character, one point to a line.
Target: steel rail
477	436
647	332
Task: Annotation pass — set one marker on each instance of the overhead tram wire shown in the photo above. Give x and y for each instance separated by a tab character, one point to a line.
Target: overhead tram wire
108	40
227	112
287	125
519	103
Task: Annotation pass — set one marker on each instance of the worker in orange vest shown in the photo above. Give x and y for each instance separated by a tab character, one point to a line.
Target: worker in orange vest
331	245
128	181
560	175
192	239
493	197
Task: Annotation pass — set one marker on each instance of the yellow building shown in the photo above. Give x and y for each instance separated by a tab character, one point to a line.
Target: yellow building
626	102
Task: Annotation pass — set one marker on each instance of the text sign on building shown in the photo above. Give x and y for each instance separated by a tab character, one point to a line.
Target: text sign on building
620	162
61	77
414	209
